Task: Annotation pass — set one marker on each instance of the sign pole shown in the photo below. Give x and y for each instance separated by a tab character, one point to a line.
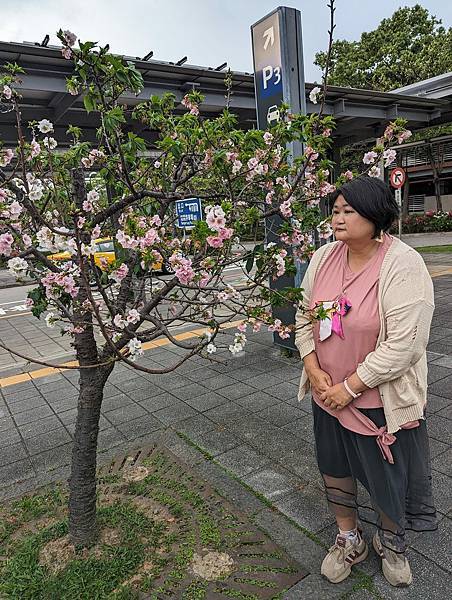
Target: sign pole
397	179
279	77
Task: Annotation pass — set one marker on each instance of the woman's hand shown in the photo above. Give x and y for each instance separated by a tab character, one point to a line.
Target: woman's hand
320	380
336	397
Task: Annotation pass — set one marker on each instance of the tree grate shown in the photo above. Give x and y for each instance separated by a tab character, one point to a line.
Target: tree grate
203	522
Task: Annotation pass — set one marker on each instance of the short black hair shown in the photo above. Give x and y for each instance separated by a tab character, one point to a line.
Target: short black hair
372	198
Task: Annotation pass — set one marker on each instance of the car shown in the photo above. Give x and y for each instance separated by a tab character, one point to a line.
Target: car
273	114
105	251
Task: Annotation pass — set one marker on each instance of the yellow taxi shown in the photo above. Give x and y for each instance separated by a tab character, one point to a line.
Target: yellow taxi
105	250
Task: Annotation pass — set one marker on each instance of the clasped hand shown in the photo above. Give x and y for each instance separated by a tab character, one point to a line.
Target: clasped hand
335	397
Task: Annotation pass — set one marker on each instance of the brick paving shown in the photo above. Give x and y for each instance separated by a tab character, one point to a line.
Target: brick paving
246	415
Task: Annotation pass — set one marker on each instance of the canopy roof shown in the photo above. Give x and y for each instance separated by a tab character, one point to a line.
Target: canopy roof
359	114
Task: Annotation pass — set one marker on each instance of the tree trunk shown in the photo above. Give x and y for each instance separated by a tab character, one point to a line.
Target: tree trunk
82	485
436	166
439	203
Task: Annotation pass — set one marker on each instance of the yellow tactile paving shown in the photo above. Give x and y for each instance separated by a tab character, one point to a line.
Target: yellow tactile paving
438	270
14	379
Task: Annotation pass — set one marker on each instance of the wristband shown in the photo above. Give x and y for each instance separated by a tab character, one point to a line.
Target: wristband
350	391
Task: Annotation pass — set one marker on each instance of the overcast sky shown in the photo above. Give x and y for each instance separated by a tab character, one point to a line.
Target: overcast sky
209	32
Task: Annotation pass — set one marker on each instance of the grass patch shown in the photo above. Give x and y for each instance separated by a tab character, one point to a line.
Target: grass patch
435	249
158	537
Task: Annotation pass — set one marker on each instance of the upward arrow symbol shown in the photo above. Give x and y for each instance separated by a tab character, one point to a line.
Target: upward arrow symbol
269	35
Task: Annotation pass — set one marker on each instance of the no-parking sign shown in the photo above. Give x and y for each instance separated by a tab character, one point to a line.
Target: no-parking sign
397	177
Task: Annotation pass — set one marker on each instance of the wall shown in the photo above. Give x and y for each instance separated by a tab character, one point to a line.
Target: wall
430	203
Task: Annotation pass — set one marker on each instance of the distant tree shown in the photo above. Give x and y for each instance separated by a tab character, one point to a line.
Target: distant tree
410	46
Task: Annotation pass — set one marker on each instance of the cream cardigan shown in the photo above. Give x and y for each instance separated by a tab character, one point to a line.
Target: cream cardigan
398	365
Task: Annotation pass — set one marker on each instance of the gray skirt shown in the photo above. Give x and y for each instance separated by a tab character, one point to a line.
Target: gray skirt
400	493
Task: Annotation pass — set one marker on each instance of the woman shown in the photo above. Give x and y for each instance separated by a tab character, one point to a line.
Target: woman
365	362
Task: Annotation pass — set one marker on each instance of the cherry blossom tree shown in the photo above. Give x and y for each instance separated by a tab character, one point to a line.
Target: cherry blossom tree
125	188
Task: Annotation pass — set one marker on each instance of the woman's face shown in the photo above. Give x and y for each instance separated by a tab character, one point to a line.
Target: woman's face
348	225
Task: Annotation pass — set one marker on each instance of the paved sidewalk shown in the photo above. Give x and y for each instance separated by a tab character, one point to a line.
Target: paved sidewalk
245	415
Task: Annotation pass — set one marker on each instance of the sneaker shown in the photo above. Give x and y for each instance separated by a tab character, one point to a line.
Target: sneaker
395	566
337	564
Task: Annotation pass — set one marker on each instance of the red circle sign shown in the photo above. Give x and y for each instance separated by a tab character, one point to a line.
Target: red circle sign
397	177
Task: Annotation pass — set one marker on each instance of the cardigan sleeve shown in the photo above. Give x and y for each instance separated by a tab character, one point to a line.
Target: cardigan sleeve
304	338
407	303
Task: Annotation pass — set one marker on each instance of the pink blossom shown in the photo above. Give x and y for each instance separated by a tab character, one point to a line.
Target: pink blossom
93	196
348	175
156	220
119	274
231	156
184	274
182	268
87	206
205	278
369	158
404	136
69	37
285	208
80	222
6	157
6	241
126	241
269	197
236	166
29	303
133	316
67	54
69	285
225	233
27	240
149	238
252	163
242	327
7	92
389	156
326	132
35	148
375	171
389	133
215	218
214	241
275	326
257	326
326	188
192	106
15	209
119	321
311	153
96	232
268	138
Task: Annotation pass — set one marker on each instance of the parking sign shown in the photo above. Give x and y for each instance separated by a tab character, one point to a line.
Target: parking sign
188	211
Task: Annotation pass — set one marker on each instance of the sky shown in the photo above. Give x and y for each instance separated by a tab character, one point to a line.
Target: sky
209	32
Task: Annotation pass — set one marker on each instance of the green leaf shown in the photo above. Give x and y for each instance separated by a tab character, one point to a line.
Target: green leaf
89	102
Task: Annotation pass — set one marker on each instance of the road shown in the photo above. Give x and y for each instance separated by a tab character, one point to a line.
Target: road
12	300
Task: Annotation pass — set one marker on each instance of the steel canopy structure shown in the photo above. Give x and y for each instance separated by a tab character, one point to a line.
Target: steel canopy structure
359	114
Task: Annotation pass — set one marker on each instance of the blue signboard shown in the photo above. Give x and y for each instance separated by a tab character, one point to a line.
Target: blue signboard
188	211
268	69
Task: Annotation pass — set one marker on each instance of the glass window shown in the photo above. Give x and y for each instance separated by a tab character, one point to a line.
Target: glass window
106	246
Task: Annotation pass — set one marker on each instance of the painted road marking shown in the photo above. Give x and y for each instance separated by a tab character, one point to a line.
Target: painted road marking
14	379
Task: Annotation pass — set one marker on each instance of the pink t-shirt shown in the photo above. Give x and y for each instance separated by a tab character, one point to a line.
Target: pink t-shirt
361	325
